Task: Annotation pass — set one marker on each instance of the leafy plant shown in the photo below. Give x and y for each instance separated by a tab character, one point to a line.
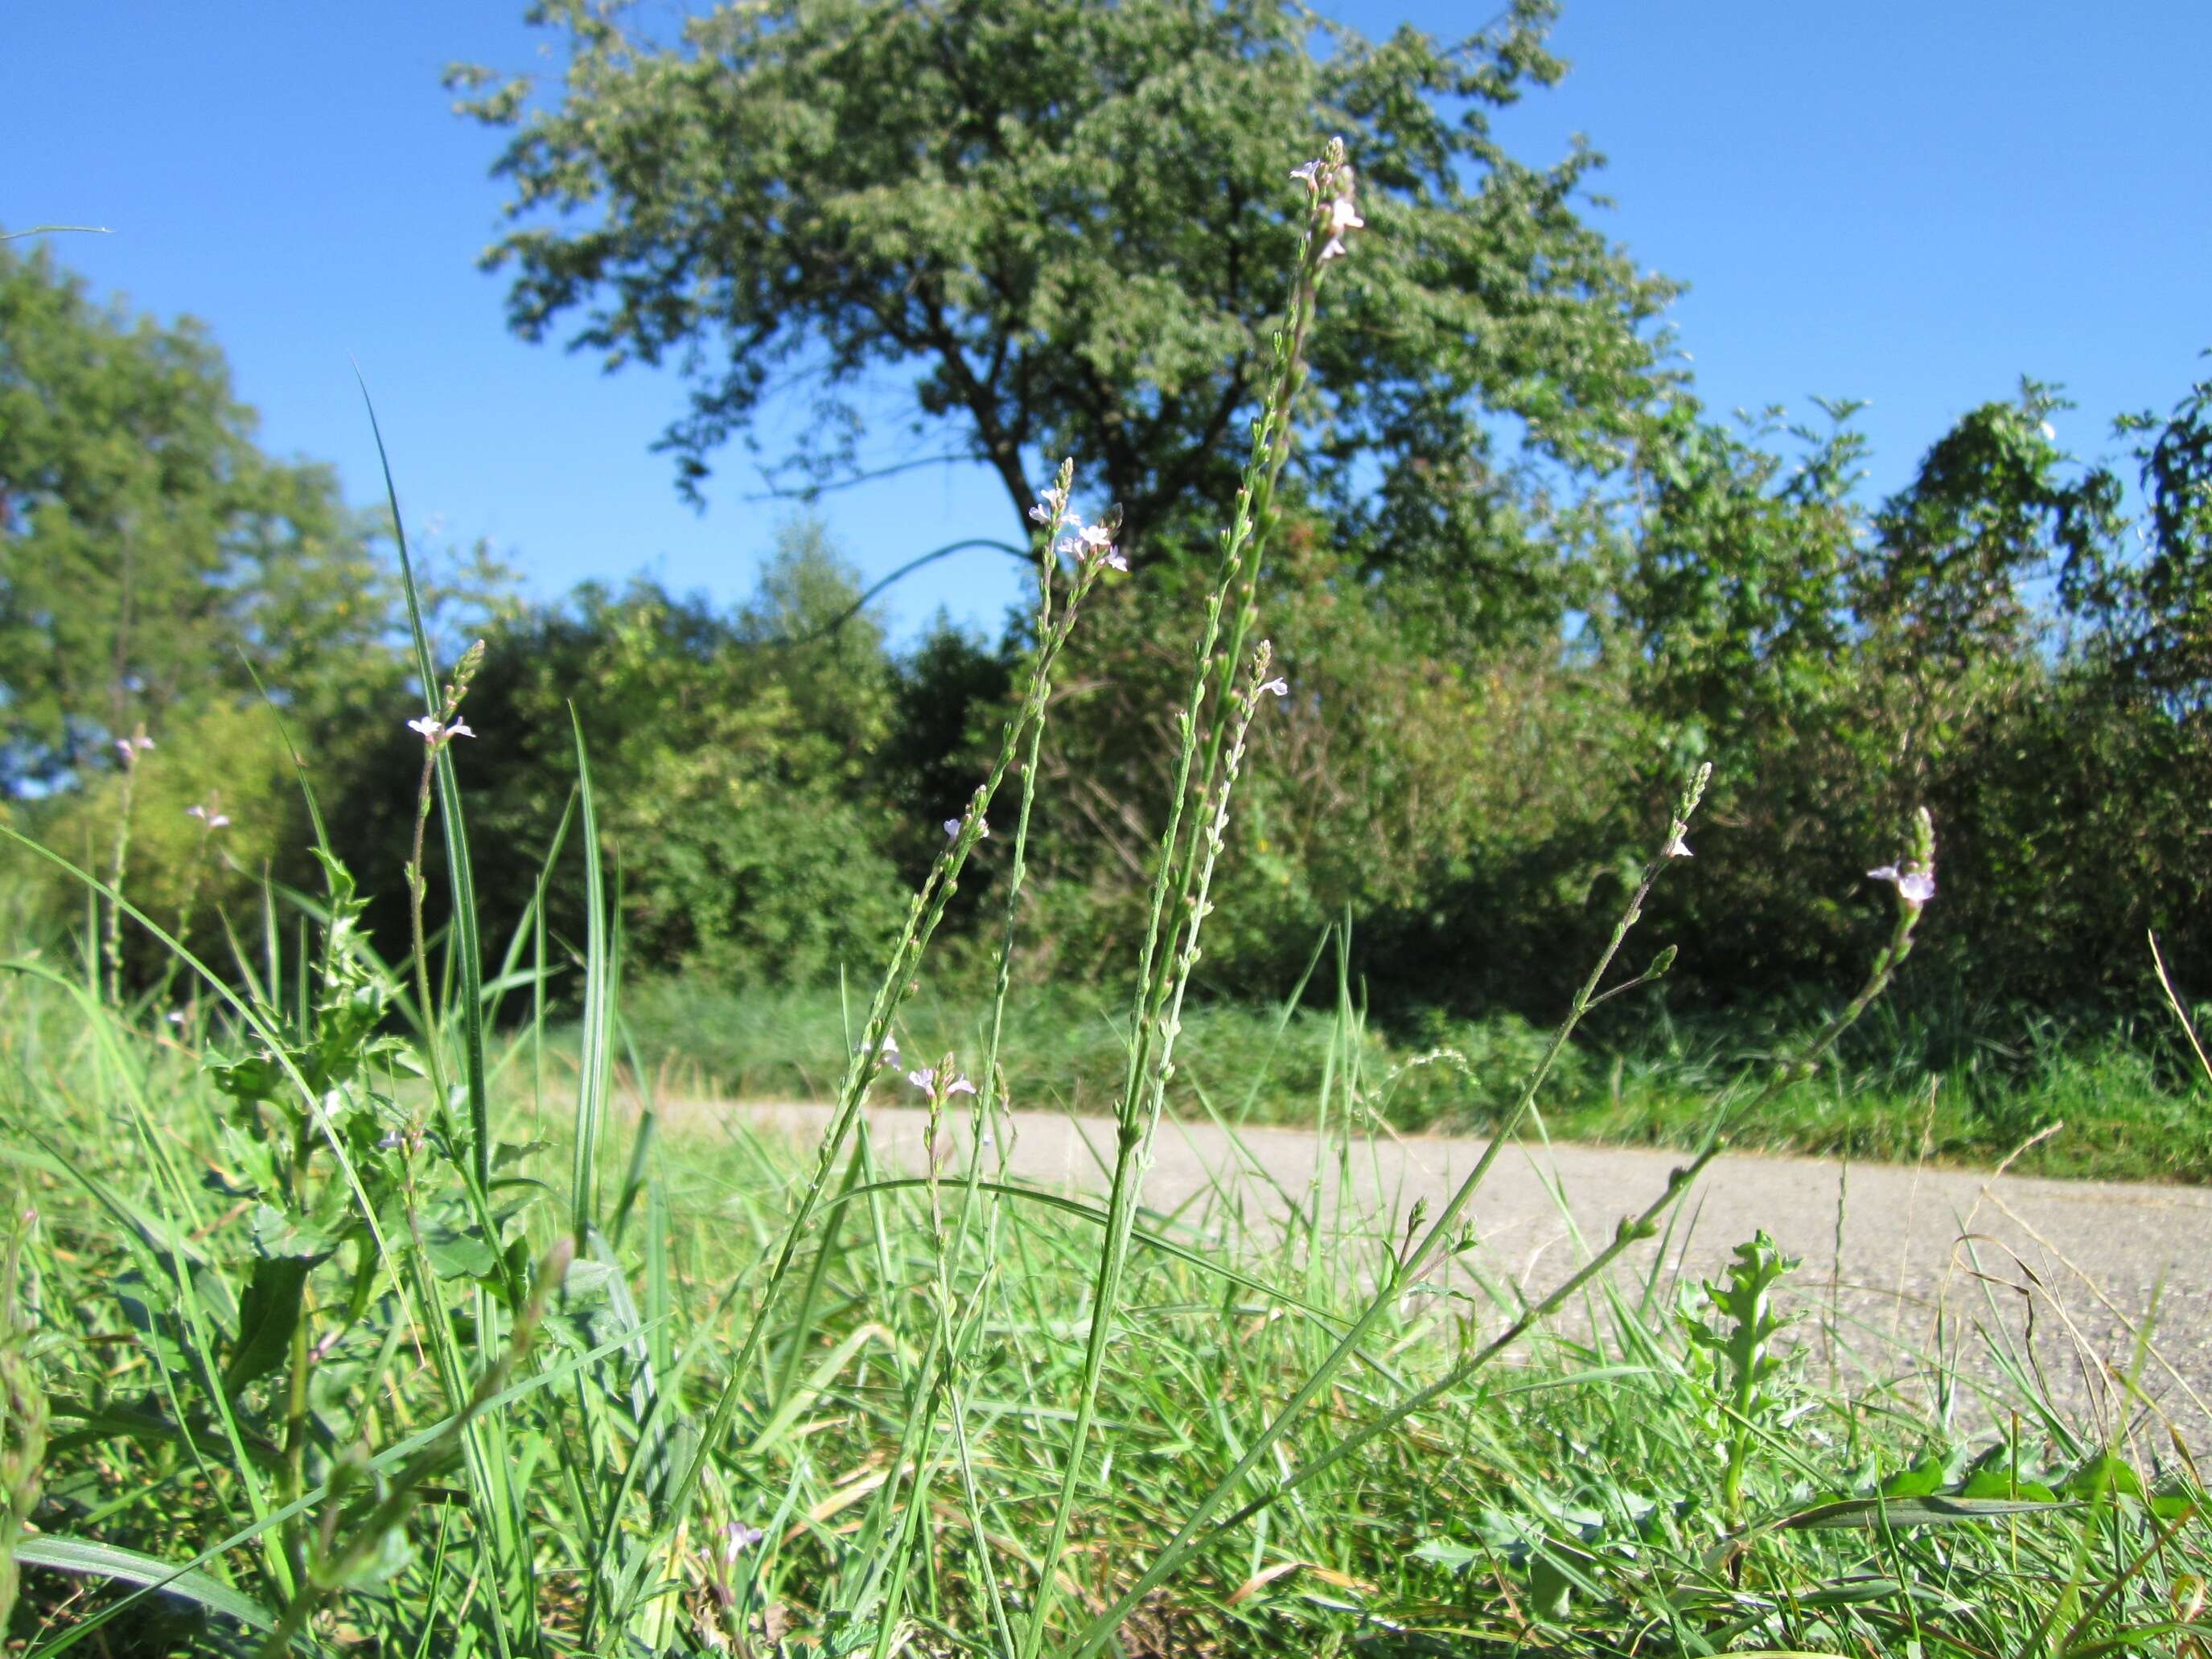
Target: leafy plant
1733	1323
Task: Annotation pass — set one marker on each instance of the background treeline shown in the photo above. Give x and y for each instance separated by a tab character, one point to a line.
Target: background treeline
2003	639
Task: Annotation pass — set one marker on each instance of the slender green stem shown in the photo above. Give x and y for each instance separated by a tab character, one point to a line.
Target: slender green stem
118	864
924	913
1403	1269
419	940
1161	973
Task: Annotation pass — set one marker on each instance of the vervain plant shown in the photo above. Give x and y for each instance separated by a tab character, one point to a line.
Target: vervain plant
1205	769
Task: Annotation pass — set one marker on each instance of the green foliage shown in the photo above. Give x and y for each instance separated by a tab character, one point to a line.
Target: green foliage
1732	1324
1067	223
2163	601
740	774
149	550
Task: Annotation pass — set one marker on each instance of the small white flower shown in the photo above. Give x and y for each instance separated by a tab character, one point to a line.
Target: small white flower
1342	216
1914	886
1278	685
131	748
888	1055
1676	848
213	820
436	732
1307	174
1334	249
175	1017
953	829
2049	433
959	1085
1095	542
736	1539
1051	502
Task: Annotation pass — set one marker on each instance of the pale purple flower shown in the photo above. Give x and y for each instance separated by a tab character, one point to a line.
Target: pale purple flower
1676	848
926	1082
953	829
736	1539
436	732
1342	216
213	820
1307	174
131	748
1333	249
175	1017
888	1053
1913	886
1115	559
1278	685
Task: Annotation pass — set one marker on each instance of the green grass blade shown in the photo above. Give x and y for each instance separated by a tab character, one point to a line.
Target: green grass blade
87	1558
595	1074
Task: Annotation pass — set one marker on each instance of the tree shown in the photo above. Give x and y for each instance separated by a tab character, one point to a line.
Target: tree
733	774
2153	612
1069	221
149	548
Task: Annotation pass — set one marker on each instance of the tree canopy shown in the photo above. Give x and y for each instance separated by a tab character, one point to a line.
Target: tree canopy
1069	223
149	548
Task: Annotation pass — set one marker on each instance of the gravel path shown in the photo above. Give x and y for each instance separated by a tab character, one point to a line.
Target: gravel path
2071	1265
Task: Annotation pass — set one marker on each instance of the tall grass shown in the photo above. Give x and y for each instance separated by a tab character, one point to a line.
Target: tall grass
2131	1101
313	1337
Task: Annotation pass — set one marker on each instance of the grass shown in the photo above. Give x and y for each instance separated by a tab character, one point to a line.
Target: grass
900	1453
337	1319
1910	1088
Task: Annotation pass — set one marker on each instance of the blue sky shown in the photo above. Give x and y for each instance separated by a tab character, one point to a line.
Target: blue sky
1906	202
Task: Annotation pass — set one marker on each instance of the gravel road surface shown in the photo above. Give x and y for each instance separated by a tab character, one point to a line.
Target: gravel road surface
2072	1267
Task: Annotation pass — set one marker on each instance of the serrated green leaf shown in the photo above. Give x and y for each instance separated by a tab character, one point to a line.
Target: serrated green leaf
267	1314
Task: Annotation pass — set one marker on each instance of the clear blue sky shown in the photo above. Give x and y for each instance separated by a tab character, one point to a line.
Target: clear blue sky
1908	203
